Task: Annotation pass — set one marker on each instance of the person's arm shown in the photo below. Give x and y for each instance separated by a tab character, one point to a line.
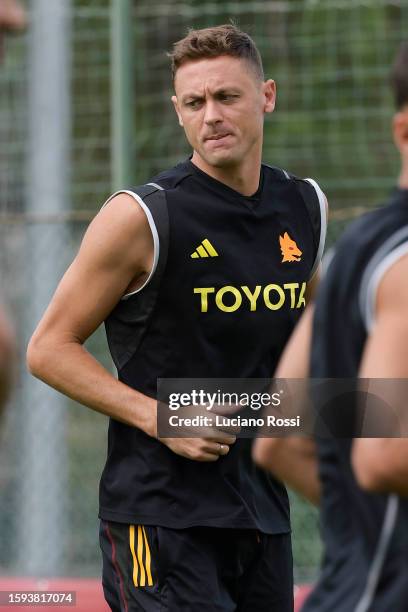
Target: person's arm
6	360
115	257
381	464
293	459
312	285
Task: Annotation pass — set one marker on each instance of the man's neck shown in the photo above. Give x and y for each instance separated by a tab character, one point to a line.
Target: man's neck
243	179
403	178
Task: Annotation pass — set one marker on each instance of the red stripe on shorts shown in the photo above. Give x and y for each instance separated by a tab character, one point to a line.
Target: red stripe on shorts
116	566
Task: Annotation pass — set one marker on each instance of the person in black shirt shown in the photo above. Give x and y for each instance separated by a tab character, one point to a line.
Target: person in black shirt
358	328
200	273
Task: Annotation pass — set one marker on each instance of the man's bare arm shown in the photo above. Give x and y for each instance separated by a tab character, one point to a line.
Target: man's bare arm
293	459
116	249
313	284
115	257
381	464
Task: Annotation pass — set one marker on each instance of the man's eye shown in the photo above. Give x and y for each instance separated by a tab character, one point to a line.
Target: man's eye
193	103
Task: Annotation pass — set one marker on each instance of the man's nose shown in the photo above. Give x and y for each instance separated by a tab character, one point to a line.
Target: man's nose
212	113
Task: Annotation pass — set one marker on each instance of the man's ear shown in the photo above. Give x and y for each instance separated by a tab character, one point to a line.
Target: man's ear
400	131
176	108
269	90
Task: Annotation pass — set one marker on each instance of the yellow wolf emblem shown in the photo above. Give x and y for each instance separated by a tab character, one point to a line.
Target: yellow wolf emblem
289	248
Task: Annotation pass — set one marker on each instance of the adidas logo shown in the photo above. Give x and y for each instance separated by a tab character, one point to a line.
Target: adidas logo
205	249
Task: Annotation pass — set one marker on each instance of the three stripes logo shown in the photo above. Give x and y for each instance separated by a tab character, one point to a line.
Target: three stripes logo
205	249
142	560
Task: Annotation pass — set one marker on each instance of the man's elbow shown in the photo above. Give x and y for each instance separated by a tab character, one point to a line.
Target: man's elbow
263	451
370	475
38	357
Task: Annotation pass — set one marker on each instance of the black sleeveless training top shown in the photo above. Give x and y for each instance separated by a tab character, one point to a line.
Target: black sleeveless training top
365	565
226	290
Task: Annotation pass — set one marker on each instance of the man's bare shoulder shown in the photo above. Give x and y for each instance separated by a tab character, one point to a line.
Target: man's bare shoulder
120	232
392	294
121	215
115	257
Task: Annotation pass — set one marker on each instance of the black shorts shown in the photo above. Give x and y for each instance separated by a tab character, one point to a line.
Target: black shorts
201	569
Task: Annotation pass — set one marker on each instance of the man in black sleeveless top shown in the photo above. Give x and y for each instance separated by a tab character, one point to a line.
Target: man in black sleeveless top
359	329
200	273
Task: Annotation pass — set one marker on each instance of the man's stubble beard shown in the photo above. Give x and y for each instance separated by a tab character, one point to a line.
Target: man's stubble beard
234	159
231	159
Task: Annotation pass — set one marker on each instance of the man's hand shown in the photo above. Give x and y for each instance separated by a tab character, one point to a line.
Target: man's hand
209	442
201	449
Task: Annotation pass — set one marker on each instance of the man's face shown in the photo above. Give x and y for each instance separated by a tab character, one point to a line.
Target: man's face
221	102
12	18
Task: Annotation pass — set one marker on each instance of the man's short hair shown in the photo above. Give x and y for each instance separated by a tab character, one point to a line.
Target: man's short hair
399	76
220	40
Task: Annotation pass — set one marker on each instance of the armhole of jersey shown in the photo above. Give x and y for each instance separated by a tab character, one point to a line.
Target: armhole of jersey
377	267
153	229
380	554
323	224
327	259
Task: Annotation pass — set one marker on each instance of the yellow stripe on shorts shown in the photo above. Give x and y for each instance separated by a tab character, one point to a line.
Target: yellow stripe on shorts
140	555
148	560
132	548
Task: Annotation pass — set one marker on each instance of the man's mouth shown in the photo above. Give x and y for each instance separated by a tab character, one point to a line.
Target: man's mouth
217	136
